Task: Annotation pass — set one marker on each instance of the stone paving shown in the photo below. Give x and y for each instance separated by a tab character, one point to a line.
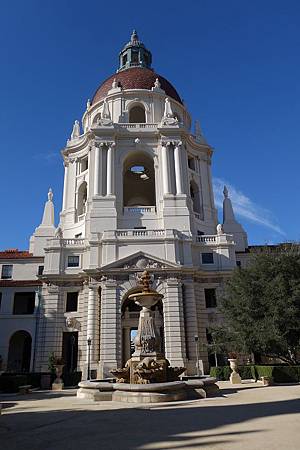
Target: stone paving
246	416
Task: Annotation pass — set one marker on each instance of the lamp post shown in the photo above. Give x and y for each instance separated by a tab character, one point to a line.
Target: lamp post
196	337
89	343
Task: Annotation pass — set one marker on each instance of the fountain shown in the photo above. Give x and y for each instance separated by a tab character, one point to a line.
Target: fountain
147	376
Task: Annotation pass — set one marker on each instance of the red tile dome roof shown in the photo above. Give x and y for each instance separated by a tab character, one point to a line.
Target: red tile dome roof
135	78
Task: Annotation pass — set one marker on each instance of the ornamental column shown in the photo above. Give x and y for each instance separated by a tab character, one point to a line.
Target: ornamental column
110	330
174	327
165	167
97	170
64	205
178	170
110	169
92	326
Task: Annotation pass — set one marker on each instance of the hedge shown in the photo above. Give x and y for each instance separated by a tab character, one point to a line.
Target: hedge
10	382
279	373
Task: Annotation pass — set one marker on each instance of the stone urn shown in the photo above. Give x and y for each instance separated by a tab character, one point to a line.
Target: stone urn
234	377
58	383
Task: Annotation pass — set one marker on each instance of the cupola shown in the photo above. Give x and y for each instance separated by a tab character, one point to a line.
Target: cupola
134	54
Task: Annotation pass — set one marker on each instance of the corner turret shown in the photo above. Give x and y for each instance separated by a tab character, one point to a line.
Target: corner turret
45	230
231	226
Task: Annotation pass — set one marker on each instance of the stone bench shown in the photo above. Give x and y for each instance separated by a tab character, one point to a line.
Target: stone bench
26	389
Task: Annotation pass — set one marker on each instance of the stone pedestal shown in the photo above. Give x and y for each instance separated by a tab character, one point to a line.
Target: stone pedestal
57	386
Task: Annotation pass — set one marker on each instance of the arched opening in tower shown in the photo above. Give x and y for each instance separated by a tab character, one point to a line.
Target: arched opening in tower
139	181
82	199
195	196
137	114
19	352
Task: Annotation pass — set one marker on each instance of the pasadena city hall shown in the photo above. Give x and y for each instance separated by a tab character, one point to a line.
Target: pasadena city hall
137	195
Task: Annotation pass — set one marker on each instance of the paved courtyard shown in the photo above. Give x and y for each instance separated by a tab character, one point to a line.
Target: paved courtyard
248	416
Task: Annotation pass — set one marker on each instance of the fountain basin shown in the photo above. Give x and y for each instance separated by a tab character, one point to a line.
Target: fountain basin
148	393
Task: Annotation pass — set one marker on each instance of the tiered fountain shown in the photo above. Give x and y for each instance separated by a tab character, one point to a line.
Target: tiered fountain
147	376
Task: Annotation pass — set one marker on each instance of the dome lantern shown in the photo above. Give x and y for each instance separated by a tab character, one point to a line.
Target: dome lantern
134	54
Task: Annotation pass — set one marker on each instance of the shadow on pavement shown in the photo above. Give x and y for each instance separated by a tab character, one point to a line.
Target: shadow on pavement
134	428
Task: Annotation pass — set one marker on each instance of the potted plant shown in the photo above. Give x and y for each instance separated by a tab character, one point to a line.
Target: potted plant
234	377
58	364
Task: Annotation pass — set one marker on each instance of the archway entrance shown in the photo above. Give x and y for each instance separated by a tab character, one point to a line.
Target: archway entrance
130	322
19	352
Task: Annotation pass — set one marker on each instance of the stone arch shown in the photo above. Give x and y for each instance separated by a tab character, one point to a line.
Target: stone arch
139	180
195	196
19	352
82	198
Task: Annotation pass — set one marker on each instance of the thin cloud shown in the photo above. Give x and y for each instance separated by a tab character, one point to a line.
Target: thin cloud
244	207
48	157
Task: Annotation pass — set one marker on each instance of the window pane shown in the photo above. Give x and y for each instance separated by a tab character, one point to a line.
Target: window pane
210	298
6	271
24	303
40	270
73	261
72	301
207	258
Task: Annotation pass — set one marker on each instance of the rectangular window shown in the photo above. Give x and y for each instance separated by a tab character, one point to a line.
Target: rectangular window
24	303
210	298
6	272
73	261
191	163
40	270
72	301
238	263
207	258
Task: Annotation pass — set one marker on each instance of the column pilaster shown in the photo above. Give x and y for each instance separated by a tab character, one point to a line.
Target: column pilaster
174	323
92	326
165	168
65	194
110	168
110	332
178	167
97	170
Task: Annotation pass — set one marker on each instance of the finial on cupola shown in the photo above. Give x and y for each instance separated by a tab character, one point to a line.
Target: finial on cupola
134	37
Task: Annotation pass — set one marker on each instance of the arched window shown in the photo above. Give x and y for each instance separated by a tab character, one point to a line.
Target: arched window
139	181
137	114
19	352
195	196
82	199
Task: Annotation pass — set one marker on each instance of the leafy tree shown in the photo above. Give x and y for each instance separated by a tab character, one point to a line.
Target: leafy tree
261	306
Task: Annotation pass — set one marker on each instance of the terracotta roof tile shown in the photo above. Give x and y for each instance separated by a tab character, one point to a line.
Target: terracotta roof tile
135	78
14	253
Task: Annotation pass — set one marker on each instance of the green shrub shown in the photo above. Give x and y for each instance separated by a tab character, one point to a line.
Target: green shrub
222	373
279	373
11	383
72	379
286	374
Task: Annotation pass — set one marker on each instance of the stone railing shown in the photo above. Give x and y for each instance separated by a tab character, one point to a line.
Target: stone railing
139	233
214	239
134	210
207	239
137	126
72	242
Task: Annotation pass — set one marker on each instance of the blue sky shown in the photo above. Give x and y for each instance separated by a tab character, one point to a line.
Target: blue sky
235	63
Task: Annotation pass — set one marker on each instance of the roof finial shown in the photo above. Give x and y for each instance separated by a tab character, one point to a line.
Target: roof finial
225	192
134	37
50	195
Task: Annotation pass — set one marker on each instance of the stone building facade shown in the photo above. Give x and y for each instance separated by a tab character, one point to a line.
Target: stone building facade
137	195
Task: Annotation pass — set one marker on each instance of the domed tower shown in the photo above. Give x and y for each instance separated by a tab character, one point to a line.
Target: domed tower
135	164
137	195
